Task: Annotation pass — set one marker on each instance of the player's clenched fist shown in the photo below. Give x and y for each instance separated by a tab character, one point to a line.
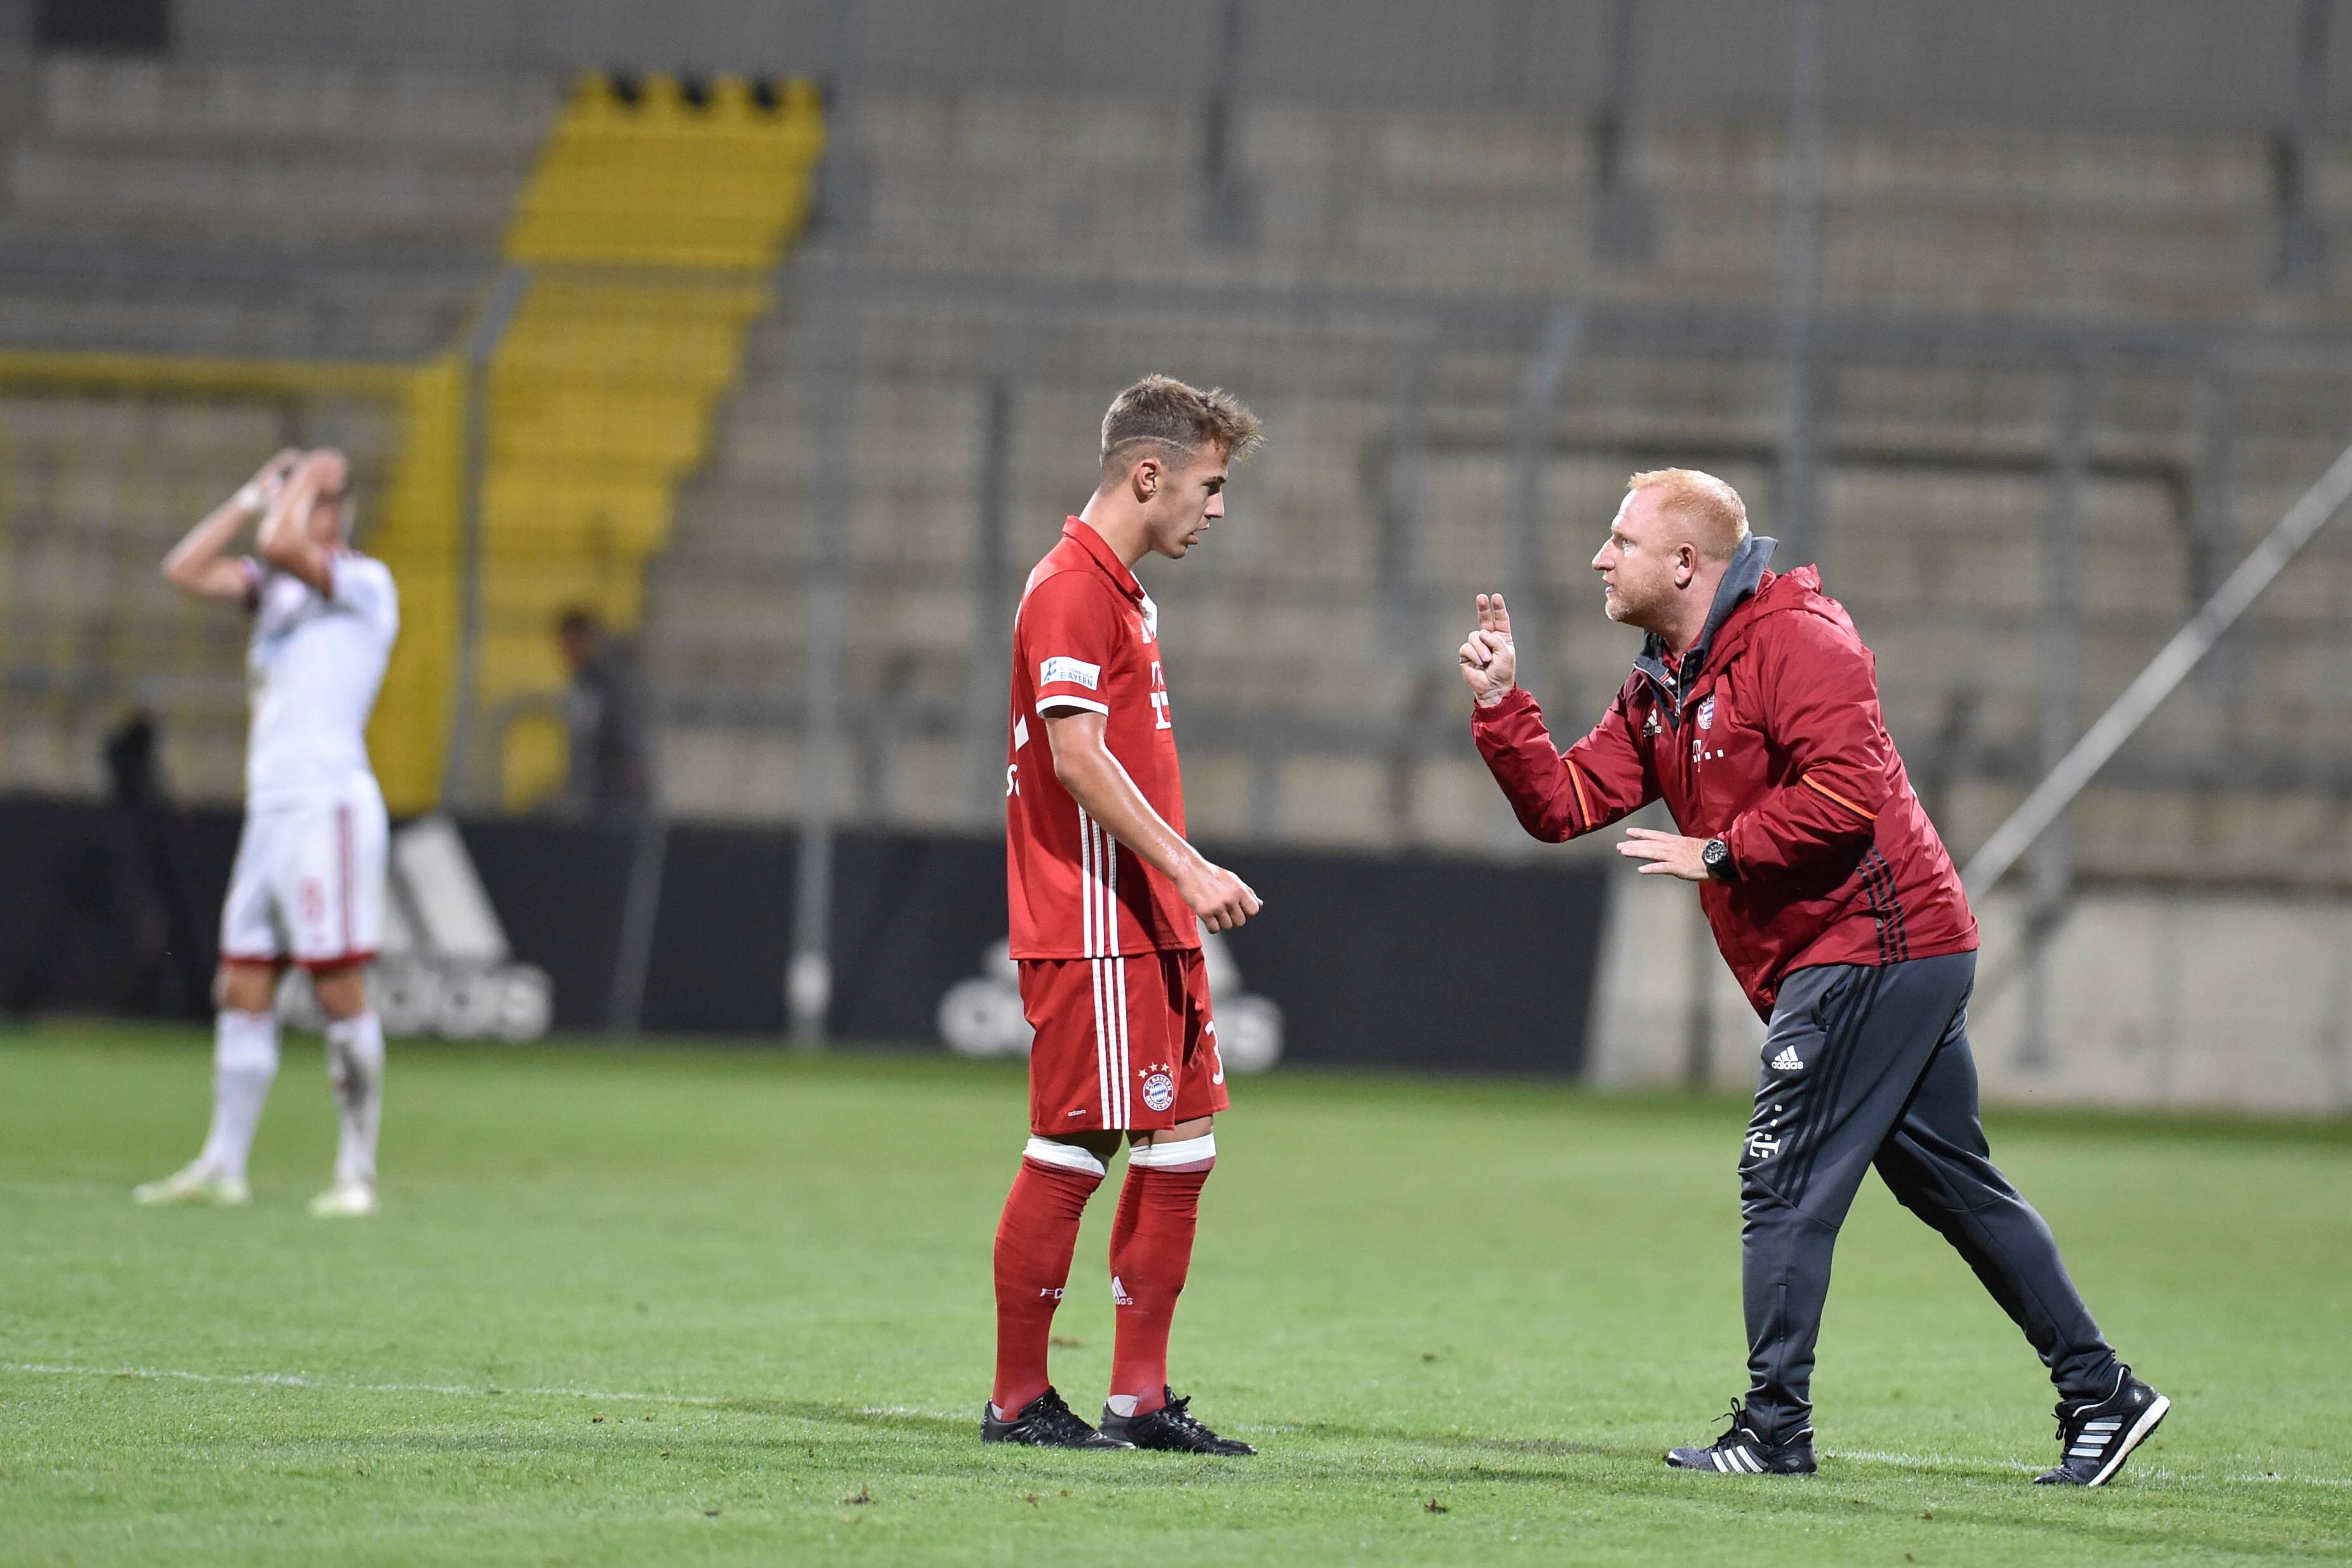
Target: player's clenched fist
1221	899
1489	663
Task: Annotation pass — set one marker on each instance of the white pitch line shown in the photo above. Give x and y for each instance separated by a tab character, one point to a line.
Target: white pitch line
296	1380
473	1390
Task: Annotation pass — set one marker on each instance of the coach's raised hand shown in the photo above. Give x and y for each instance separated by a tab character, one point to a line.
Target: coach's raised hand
1490	664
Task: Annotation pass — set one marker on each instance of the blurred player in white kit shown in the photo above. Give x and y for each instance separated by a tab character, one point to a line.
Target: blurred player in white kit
308	887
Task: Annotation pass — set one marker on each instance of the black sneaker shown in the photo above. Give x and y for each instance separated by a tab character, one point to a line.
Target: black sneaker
1170	1427
1742	1451
2097	1435
1045	1423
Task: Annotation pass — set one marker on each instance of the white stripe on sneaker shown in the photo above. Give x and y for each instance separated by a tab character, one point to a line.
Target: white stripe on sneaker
2132	1439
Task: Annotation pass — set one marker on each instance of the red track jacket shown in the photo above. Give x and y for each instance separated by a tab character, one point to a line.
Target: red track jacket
1769	738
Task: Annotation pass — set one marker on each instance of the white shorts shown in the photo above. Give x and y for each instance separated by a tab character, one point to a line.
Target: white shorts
308	882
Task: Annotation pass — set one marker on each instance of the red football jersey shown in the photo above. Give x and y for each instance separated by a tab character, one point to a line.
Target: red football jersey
1087	636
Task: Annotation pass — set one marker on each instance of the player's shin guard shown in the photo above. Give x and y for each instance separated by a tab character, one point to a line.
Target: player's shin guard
355	1069
1034	1239
245	1063
1150	1253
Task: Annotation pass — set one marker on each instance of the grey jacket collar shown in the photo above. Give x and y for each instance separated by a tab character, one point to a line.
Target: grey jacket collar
1739	581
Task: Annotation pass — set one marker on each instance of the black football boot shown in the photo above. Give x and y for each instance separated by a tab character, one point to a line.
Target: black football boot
2097	1435
1742	1451
1171	1427
1045	1423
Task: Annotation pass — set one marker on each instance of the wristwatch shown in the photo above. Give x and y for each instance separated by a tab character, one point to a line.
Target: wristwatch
1716	856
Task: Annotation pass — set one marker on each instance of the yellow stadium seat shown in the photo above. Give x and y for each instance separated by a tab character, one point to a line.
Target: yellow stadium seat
651	223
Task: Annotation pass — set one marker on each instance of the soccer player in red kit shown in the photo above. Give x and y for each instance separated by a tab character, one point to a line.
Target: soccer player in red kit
1106	901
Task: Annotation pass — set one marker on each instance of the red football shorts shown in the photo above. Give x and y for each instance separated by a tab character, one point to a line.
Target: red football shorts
1122	1044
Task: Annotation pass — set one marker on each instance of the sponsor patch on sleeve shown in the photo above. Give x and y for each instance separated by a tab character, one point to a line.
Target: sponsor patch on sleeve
1072	671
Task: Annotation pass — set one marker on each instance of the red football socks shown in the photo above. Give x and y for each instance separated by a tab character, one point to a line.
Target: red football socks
1150	1252
1034	1239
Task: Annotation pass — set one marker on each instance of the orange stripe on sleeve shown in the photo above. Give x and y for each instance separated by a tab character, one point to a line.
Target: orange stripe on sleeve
1583	806
1821	789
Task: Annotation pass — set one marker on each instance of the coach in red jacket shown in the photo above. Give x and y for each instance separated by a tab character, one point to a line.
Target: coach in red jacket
1753	712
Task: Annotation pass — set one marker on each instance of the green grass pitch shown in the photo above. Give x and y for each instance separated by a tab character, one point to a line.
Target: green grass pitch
696	1306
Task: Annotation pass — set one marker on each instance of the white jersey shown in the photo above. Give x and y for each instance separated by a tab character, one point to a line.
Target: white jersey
313	669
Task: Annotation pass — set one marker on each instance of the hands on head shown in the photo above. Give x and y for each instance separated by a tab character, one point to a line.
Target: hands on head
271	476
1490	664
303	527
327	468
279	497
333	469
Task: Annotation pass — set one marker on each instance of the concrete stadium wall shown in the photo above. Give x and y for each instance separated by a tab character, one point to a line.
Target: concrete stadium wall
2159	1000
2186	64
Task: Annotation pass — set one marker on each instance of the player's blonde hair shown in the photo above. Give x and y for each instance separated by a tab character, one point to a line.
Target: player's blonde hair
1712	509
1160	411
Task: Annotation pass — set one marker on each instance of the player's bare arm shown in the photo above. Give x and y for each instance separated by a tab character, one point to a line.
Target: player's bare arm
200	563
292	538
1097	781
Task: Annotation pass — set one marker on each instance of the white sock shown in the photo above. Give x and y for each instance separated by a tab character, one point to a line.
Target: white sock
245	1060
1121	1404
355	1067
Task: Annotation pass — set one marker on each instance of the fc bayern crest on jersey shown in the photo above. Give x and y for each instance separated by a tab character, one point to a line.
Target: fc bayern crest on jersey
1159	1090
1706	714
1150	619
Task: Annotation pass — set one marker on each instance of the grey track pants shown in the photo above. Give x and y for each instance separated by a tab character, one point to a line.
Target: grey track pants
1868	1066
